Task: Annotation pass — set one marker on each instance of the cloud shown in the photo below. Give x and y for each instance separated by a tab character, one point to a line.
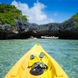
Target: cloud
35	14
55	14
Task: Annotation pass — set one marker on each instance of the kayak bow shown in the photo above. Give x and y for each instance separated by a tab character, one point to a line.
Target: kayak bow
21	69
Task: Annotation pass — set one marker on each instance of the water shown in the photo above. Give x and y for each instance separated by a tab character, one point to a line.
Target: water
65	52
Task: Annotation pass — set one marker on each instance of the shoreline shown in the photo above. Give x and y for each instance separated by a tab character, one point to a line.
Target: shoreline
37	39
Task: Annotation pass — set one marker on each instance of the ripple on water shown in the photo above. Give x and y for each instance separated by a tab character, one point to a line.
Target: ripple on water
65	52
1	70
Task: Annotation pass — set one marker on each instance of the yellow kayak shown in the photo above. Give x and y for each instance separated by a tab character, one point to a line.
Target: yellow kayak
36	63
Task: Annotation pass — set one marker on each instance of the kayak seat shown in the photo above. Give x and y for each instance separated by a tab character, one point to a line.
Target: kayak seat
36	71
38	68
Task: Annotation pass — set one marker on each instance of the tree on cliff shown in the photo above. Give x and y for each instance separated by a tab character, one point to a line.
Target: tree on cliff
9	12
75	17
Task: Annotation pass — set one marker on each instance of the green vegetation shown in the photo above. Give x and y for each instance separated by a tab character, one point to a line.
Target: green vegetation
53	23
75	17
65	21
9	12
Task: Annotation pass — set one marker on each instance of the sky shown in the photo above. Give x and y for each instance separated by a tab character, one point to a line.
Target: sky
45	11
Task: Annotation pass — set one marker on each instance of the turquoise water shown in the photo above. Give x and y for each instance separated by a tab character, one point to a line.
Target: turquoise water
65	52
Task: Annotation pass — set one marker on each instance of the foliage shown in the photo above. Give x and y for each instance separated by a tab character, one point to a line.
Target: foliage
75	23
75	17
9	12
53	23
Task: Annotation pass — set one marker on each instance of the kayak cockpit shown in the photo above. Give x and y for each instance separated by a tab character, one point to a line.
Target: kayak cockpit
36	64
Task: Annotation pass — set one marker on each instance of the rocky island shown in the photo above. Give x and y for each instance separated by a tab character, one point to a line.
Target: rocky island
14	25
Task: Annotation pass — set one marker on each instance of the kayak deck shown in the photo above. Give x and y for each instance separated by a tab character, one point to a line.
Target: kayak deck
21	70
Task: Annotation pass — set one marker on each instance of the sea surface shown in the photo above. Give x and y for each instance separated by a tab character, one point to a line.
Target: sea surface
65	52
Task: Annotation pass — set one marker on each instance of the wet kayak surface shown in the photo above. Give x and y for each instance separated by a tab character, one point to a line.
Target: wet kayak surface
65	52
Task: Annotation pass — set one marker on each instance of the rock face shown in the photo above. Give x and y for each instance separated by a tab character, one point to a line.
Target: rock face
69	31
7	31
23	30
24	26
